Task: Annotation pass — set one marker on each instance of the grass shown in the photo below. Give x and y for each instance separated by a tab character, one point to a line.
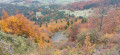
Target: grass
17	45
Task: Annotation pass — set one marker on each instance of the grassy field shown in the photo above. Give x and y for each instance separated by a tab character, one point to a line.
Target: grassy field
84	13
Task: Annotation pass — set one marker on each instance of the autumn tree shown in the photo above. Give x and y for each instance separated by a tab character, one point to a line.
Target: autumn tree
107	22
111	25
87	46
73	33
4	14
99	16
21	26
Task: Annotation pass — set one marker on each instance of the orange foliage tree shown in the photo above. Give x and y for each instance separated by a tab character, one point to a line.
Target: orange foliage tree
104	23
4	14
20	25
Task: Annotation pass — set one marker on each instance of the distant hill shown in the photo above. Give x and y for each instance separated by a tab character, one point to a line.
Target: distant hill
52	1
43	1
4	1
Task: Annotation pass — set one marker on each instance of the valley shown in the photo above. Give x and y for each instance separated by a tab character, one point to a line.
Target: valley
59	27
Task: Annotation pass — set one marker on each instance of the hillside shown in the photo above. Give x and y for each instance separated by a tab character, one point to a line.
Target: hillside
60	27
10	44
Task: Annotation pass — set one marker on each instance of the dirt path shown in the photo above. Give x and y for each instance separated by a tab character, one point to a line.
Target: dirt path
59	38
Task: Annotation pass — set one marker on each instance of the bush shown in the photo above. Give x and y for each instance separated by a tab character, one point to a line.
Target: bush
93	33
80	17
81	36
84	20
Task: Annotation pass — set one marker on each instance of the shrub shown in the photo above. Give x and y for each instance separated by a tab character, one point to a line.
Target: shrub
93	33
81	36
84	20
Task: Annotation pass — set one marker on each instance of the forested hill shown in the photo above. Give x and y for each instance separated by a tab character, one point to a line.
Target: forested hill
89	27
